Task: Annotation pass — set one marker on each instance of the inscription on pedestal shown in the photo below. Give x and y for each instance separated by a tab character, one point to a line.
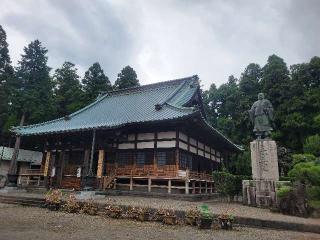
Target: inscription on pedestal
264	160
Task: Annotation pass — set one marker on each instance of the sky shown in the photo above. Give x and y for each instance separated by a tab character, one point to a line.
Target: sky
165	39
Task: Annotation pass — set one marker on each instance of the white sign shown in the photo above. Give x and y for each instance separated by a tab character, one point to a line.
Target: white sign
53	171
79	172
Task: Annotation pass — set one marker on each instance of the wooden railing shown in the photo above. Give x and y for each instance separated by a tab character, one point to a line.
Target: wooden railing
199	176
147	170
156	171
31	177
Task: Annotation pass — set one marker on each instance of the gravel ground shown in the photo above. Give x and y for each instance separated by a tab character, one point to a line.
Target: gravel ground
23	223
237	209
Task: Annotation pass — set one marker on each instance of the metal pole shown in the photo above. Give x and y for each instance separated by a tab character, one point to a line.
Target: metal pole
92	151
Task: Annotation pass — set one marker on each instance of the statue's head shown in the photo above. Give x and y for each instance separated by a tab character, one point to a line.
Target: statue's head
260	96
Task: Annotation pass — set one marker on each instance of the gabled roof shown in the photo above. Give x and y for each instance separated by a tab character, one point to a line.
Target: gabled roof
156	102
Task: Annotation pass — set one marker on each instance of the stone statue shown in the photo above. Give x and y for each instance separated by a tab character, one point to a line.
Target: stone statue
261	116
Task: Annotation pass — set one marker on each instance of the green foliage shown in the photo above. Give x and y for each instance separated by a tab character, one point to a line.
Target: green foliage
33	96
312	145
240	164
313	192
126	78
6	79
299	158
228	184
283	191
68	93
95	82
205	212
306	172
295	96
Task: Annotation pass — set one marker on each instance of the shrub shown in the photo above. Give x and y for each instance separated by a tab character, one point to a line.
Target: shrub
283	191
306	172
313	192
312	145
71	205
89	207
228	184
53	197
299	158
293	201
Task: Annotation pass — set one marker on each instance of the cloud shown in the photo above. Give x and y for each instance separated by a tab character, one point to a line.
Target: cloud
165	39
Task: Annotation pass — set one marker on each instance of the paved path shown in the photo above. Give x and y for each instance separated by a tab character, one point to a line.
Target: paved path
26	223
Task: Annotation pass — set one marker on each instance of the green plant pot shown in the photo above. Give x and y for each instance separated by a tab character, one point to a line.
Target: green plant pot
205	223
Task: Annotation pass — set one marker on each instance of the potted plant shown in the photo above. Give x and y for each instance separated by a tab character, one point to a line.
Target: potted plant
142	213
89	207
160	213
225	220
71	205
170	217
53	199
113	211
206	217
192	216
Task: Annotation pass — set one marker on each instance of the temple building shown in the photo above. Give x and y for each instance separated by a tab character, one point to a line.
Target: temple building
148	138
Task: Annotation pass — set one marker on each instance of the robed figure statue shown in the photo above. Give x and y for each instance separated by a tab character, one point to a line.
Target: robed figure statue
261	116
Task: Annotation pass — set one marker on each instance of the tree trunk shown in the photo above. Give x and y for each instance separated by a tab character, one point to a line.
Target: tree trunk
13	162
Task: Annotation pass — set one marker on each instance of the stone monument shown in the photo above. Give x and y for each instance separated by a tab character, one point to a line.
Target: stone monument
261	191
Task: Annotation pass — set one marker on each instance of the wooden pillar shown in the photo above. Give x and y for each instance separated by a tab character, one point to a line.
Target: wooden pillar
86	162
177	153
131	184
206	187
200	187
13	162
47	168
149	184
61	163
169	186
193	187
211	187
100	164
47	164
155	152
187	186
92	151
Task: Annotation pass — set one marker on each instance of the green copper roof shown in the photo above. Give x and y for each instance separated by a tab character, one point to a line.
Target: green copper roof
132	105
149	103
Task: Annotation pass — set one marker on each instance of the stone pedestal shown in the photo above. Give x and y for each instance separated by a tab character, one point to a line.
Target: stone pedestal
261	191
264	160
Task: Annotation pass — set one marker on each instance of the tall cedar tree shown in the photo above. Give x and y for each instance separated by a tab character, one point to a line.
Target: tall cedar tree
34	98
6	80
94	83
68	93
126	78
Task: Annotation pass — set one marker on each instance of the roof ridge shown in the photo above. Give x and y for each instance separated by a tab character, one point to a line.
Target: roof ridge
153	85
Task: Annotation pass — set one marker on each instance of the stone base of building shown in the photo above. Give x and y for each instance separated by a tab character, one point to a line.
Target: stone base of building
261	193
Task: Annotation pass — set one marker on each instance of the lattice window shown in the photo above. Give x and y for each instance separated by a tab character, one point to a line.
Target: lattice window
125	158
185	161
140	159
165	158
